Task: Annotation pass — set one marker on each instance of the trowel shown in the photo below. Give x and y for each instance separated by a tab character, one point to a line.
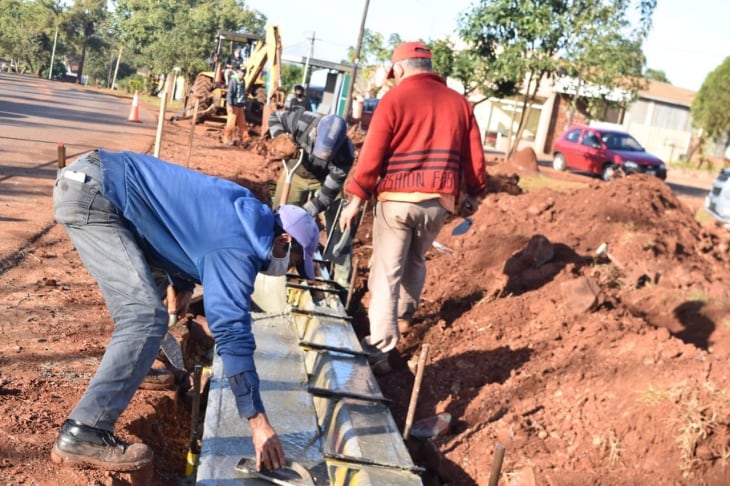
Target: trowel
169	345
292	474
462	227
458	230
337	240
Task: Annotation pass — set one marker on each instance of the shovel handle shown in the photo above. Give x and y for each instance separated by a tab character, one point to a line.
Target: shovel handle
289	176
171	306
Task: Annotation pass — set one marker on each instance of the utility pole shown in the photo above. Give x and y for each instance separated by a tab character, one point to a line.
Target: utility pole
53	54
348	100
116	68
305	76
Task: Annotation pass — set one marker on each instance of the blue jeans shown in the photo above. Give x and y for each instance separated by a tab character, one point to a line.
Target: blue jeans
110	252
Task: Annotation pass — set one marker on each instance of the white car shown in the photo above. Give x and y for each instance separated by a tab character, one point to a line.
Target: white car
717	202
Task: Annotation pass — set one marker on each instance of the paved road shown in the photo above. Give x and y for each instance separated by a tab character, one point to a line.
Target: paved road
35	115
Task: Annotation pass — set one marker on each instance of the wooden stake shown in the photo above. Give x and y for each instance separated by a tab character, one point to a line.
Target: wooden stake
416	391
496	465
192	131
61	155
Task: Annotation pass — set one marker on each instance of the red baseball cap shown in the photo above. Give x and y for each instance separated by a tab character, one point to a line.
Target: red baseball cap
409	50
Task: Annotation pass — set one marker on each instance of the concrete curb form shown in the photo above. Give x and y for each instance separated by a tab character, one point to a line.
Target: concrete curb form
321	397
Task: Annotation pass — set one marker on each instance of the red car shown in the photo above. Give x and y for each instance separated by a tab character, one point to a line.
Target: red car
604	151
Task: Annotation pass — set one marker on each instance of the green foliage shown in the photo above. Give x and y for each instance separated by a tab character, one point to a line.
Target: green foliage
291	74
180	33
375	51
26	32
59	69
153	36
711	106
135	82
656	75
442	51
83	24
513	44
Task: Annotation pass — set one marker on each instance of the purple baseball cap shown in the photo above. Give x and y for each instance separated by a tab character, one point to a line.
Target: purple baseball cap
302	227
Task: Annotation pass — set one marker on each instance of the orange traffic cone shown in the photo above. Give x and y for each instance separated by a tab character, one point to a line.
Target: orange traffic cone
134	112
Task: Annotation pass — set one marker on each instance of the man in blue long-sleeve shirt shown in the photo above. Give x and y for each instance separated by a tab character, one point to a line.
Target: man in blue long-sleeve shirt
127	213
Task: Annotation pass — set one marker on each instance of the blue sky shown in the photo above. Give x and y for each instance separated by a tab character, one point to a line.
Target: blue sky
689	38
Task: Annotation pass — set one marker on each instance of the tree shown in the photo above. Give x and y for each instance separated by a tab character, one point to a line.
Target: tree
178	33
291	75
26	32
656	75
82	25
375	52
516	44
711	106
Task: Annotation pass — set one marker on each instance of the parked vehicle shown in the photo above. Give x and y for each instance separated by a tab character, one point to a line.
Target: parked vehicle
717	202
604	151
368	107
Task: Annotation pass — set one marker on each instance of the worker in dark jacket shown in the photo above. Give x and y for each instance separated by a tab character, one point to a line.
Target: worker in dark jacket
127	213
299	100
236	129
327	154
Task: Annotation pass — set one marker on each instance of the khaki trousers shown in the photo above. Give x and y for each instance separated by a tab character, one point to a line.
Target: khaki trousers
402	234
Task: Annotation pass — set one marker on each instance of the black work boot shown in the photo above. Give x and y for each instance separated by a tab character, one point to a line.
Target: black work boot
81	445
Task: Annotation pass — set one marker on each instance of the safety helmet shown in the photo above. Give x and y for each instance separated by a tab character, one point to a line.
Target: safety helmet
331	133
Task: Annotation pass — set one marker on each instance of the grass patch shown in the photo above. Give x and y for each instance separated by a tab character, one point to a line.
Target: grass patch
707	167
697	296
702	216
701	414
654	396
534	183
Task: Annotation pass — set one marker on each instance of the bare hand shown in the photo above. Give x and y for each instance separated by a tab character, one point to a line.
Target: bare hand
349	213
281	245
269	453
468	206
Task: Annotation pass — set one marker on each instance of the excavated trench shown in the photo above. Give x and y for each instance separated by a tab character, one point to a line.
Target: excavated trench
321	397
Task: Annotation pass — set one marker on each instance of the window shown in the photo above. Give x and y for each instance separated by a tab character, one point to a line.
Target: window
590	139
573	136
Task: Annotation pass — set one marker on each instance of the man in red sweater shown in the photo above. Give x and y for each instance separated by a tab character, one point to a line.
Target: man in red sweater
422	159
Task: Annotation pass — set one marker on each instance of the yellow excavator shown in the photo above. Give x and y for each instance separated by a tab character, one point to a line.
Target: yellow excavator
262	59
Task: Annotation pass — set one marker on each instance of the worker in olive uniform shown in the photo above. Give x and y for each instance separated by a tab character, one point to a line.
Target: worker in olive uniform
316	185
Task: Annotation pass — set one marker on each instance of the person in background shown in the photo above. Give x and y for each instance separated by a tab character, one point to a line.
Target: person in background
127	213
236	128
422	150
232	61
300	100
328	154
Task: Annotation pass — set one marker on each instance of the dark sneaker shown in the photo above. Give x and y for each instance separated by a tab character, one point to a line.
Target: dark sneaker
81	445
158	379
380	365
